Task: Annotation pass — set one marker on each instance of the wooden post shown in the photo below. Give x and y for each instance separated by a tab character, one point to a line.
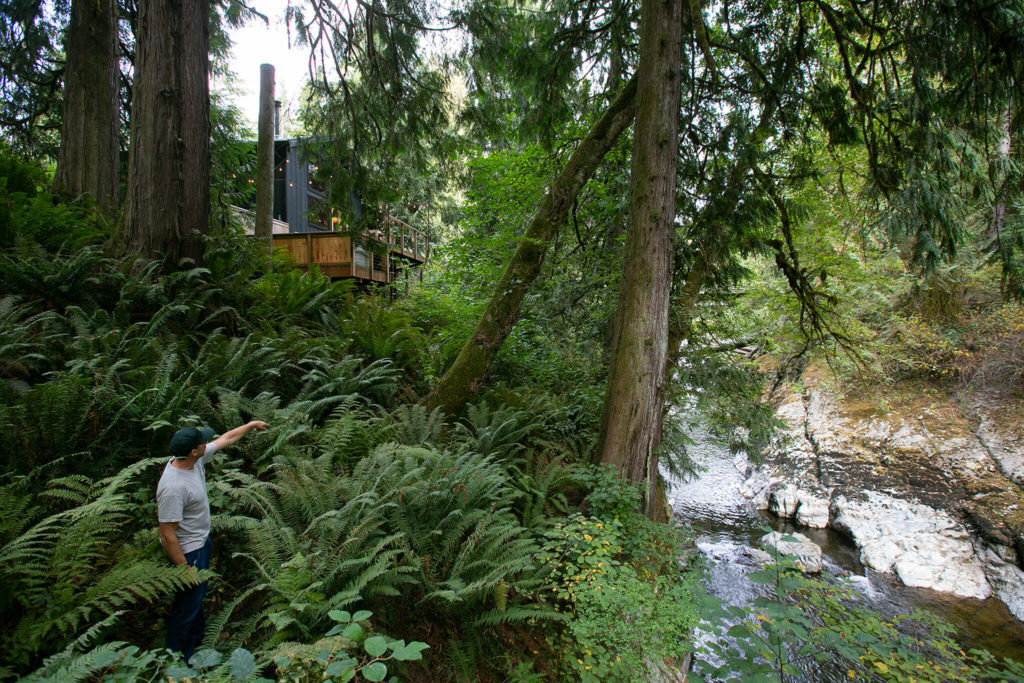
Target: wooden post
265	157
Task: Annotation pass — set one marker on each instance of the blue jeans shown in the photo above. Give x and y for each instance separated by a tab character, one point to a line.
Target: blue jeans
186	621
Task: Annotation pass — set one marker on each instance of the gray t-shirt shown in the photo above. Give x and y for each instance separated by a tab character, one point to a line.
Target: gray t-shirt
181	497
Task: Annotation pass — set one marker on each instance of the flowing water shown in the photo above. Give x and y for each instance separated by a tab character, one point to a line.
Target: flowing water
724	523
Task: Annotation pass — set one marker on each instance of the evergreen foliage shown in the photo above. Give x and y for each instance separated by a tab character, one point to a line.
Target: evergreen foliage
844	186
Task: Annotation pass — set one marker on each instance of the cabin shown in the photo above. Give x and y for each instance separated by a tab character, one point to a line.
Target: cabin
307	227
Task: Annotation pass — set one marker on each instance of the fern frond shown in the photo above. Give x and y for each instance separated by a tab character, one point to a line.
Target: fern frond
518	615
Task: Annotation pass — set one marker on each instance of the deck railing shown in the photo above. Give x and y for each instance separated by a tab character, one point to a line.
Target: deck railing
337	254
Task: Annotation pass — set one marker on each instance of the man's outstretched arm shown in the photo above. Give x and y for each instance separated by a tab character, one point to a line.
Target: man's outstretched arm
231	437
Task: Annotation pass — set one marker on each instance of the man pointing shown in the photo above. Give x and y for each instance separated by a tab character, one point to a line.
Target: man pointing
184	513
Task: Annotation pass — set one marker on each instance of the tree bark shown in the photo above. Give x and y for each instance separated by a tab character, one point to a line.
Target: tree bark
998	225
464	377
168	203
87	162
265	155
631	426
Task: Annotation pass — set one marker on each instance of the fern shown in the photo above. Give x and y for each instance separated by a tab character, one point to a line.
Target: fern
347	377
454	512
378	331
496	432
58	280
351	431
24	338
315	548
412	425
17	511
52	420
463	658
543	485
63	573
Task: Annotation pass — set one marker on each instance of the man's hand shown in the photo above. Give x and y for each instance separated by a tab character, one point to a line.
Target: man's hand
230	438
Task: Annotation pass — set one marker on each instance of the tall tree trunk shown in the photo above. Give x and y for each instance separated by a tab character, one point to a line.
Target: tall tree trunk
168	203
631	427
265	155
998	225
87	161
467	373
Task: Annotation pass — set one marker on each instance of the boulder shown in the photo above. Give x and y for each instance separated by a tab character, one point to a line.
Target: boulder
757	487
807	508
926	547
806	551
1004	575
813	511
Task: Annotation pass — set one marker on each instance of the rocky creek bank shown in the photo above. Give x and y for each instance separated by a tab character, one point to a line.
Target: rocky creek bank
926	486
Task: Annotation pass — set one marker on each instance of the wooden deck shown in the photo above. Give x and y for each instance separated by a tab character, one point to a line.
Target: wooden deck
338	255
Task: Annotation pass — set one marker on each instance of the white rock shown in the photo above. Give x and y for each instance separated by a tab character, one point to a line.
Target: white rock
807	552
759	556
1004	575
784	502
925	547
907	439
813	511
1007	451
757	487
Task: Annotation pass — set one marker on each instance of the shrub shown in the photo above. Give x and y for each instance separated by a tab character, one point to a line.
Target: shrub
626	623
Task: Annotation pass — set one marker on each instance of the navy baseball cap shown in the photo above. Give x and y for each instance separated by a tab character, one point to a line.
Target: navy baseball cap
189	438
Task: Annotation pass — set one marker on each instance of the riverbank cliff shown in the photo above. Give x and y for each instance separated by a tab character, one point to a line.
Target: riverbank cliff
928	485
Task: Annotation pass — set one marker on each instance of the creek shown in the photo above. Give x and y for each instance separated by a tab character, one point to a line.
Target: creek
724	523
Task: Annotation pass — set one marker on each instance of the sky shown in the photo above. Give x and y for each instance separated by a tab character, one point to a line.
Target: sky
255	44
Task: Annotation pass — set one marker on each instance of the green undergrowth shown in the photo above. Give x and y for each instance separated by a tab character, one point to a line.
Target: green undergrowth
361	537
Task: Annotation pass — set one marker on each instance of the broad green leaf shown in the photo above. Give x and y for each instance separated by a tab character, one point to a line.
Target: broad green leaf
205	659
362	615
241	665
340	615
353	632
411	652
338	667
178	672
739	631
375	646
375	671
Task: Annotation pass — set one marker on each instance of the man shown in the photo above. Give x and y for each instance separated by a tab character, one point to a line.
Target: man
184	513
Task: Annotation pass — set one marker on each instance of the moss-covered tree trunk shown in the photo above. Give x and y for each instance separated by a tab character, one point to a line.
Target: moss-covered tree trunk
467	373
87	161
168	203
631	426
